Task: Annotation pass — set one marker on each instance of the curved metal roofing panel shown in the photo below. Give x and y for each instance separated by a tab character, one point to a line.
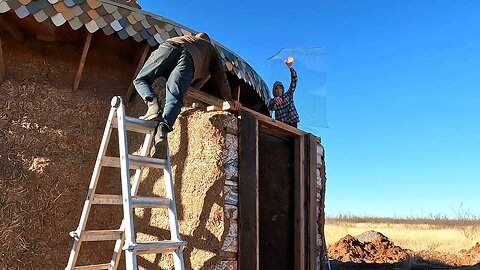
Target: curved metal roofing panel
111	17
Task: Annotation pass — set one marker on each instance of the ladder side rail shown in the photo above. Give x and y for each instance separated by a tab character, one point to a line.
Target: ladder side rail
147	144
178	261
130	254
172	212
91	189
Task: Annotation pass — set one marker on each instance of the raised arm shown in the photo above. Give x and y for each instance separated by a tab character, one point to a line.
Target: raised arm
293	82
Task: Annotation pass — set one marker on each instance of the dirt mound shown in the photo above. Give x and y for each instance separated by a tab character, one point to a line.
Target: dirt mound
463	258
369	236
378	250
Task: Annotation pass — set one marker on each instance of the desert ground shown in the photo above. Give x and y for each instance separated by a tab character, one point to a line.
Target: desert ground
417	243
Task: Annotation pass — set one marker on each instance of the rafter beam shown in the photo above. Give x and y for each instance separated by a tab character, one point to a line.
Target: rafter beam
78	76
141	61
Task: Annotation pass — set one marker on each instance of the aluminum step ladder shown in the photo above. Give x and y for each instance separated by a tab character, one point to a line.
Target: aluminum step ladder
125	235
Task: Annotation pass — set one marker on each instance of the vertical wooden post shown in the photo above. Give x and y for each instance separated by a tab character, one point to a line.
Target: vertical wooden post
311	175
248	203
141	61
2	63
78	76
238	93
299	196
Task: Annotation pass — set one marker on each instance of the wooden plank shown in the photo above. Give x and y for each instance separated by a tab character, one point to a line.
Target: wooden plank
277	126
204	97
248	231
299	191
78	76
311	175
2	63
274	123
141	61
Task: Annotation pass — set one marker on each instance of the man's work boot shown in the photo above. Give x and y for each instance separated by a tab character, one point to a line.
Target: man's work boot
159	150
153	110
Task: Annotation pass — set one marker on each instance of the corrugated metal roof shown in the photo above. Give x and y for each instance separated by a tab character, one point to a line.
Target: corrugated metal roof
126	22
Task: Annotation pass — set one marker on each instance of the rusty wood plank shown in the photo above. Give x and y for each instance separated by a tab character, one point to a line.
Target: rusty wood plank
299	196
78	76
248	255
141	61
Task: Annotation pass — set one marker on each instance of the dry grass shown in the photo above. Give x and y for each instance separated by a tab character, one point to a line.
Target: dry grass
442	235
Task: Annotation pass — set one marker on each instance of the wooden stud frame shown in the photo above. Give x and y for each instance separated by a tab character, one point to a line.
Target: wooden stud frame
305	216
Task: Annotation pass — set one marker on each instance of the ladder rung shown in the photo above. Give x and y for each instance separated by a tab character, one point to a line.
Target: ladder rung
137	201
137	125
107	199
100	235
136	162
93	267
149	202
159	247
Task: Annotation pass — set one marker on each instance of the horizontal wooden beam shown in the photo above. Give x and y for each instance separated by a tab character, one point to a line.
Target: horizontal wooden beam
204	97
275	124
265	120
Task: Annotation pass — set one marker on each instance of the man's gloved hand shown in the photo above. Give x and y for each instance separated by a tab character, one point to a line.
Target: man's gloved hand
289	61
278	100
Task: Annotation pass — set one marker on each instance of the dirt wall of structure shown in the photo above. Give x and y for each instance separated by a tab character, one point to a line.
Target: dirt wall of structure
49	138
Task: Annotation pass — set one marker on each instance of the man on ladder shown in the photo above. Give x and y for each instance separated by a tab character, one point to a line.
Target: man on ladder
180	60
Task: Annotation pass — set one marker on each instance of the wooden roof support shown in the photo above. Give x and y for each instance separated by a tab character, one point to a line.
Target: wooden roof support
141	61
11	28
78	77
266	121
2	63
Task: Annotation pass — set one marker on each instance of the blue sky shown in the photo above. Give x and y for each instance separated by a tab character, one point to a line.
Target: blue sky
403	92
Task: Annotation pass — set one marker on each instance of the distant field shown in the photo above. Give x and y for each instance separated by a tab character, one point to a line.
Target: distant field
443	235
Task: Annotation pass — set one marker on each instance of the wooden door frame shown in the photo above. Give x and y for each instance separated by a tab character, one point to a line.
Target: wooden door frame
305	216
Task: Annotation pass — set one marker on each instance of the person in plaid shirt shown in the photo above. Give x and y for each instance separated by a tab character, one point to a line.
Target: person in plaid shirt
282	102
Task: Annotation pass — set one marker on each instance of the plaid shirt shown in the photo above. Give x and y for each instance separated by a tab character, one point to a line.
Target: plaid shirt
286	111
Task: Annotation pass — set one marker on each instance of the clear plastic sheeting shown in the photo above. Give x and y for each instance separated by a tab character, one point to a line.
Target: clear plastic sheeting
311	93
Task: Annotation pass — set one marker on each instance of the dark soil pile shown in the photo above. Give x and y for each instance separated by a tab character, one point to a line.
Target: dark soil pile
375	248
378	250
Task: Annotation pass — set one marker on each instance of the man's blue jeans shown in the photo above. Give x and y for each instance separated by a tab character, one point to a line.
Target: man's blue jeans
175	64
